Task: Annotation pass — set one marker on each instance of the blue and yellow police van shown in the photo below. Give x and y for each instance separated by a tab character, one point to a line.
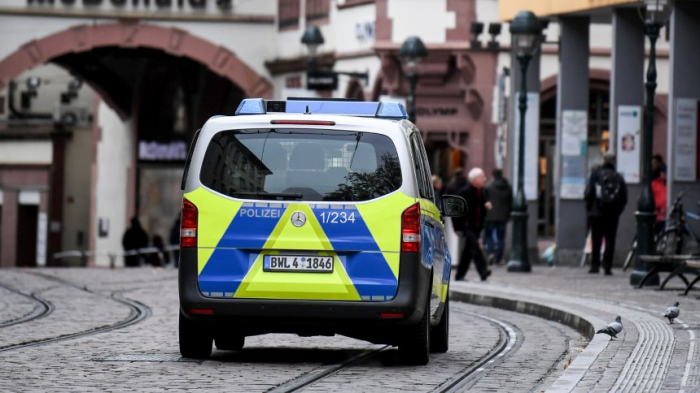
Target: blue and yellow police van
313	217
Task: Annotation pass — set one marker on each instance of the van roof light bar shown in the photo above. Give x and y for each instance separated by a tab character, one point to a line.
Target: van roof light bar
384	110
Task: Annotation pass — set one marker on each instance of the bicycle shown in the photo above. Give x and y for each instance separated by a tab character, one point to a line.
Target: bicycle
669	239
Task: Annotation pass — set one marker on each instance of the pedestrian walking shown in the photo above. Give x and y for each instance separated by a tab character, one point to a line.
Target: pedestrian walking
134	238
501	197
469	226
606	197
457	183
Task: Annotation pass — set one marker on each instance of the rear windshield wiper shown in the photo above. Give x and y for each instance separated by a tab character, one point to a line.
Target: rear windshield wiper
268	195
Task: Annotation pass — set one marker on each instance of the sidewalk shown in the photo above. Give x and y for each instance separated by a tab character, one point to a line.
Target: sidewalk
649	355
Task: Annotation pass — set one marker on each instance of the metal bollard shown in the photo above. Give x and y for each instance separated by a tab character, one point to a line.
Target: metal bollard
112	260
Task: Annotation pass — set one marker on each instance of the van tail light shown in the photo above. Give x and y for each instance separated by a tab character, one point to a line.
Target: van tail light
410	229
188	228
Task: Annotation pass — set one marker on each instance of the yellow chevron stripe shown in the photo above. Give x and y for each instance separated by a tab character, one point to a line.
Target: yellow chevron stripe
291	285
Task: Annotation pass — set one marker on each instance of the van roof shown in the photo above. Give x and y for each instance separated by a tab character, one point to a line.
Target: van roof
375	109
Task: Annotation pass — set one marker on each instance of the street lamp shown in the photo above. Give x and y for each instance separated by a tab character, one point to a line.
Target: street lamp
312	38
412	52
526	30
317	78
657	12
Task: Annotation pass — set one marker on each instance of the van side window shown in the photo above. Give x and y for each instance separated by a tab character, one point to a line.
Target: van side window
418	166
426	166
189	159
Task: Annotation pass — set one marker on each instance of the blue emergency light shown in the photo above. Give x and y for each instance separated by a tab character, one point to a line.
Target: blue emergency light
385	110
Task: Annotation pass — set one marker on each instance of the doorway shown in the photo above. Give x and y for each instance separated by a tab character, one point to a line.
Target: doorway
27	218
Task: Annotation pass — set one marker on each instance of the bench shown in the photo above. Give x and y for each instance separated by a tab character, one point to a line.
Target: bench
676	264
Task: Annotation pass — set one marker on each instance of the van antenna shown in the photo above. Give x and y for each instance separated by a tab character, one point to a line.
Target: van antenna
307	111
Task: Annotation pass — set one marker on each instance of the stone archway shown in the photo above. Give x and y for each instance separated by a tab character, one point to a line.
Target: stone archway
173	41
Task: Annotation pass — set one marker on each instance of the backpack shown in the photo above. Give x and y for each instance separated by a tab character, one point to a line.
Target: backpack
610	197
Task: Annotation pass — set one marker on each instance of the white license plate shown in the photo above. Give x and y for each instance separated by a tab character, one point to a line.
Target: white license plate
298	263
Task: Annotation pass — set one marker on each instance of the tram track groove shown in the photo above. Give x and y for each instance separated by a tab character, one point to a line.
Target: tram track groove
507	339
137	313
42	308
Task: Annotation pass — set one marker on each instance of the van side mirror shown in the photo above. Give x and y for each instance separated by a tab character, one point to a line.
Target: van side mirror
453	206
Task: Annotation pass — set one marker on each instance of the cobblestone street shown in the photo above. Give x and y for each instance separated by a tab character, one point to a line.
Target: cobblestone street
145	356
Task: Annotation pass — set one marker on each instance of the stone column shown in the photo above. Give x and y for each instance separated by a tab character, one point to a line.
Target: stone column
684	84
572	95
626	88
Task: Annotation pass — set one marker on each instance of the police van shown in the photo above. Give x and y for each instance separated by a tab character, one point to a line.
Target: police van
313	217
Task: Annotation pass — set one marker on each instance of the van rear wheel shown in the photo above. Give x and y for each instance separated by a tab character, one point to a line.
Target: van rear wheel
194	341
415	346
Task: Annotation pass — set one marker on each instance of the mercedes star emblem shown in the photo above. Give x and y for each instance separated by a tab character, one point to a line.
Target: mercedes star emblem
298	218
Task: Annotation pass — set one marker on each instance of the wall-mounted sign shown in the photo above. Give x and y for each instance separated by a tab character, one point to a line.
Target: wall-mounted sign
158	151
364	31
629	126
436	111
321	80
685	157
164	9
574	134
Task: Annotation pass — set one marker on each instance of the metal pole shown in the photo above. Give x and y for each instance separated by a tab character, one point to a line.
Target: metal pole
412	82
519	254
645	214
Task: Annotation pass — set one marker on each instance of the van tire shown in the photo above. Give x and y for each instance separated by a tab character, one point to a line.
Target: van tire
230	342
440	333
194	342
415	346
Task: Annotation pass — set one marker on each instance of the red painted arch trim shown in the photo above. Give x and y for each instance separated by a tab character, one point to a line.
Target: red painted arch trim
174	41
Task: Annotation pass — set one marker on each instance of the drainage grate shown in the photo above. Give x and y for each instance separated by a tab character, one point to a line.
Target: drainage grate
147	357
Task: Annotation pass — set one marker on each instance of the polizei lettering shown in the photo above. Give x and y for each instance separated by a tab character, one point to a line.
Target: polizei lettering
260	213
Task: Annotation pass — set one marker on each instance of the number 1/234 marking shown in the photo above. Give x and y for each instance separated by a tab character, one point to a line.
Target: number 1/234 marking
337	217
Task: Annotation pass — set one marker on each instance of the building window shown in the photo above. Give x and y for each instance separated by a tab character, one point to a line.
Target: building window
317	11
289	14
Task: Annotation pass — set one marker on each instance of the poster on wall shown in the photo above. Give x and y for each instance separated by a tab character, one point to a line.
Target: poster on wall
574	136
685	154
629	126
532	136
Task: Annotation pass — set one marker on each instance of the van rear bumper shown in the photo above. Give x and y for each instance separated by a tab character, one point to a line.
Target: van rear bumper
257	316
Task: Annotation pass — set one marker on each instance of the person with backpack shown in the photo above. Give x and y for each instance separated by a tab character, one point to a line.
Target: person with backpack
606	197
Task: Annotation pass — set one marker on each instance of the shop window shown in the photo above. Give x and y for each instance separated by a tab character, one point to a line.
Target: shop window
289	14
317	11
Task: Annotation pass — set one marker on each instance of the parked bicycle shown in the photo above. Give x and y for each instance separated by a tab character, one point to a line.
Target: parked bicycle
675	237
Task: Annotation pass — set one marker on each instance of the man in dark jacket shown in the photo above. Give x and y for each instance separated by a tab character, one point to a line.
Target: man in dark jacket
606	197
468	227
134	238
501	197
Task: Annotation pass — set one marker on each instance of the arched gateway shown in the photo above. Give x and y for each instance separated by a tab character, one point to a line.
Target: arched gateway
144	72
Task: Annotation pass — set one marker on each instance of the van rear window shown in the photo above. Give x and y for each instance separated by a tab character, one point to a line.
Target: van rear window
308	164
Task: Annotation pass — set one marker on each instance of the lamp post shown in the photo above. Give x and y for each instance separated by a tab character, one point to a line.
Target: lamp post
412	52
526	30
657	12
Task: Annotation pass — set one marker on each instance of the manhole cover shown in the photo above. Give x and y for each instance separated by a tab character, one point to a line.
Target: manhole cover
147	357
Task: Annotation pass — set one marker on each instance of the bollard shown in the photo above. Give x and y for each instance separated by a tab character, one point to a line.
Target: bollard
83	259
112	260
